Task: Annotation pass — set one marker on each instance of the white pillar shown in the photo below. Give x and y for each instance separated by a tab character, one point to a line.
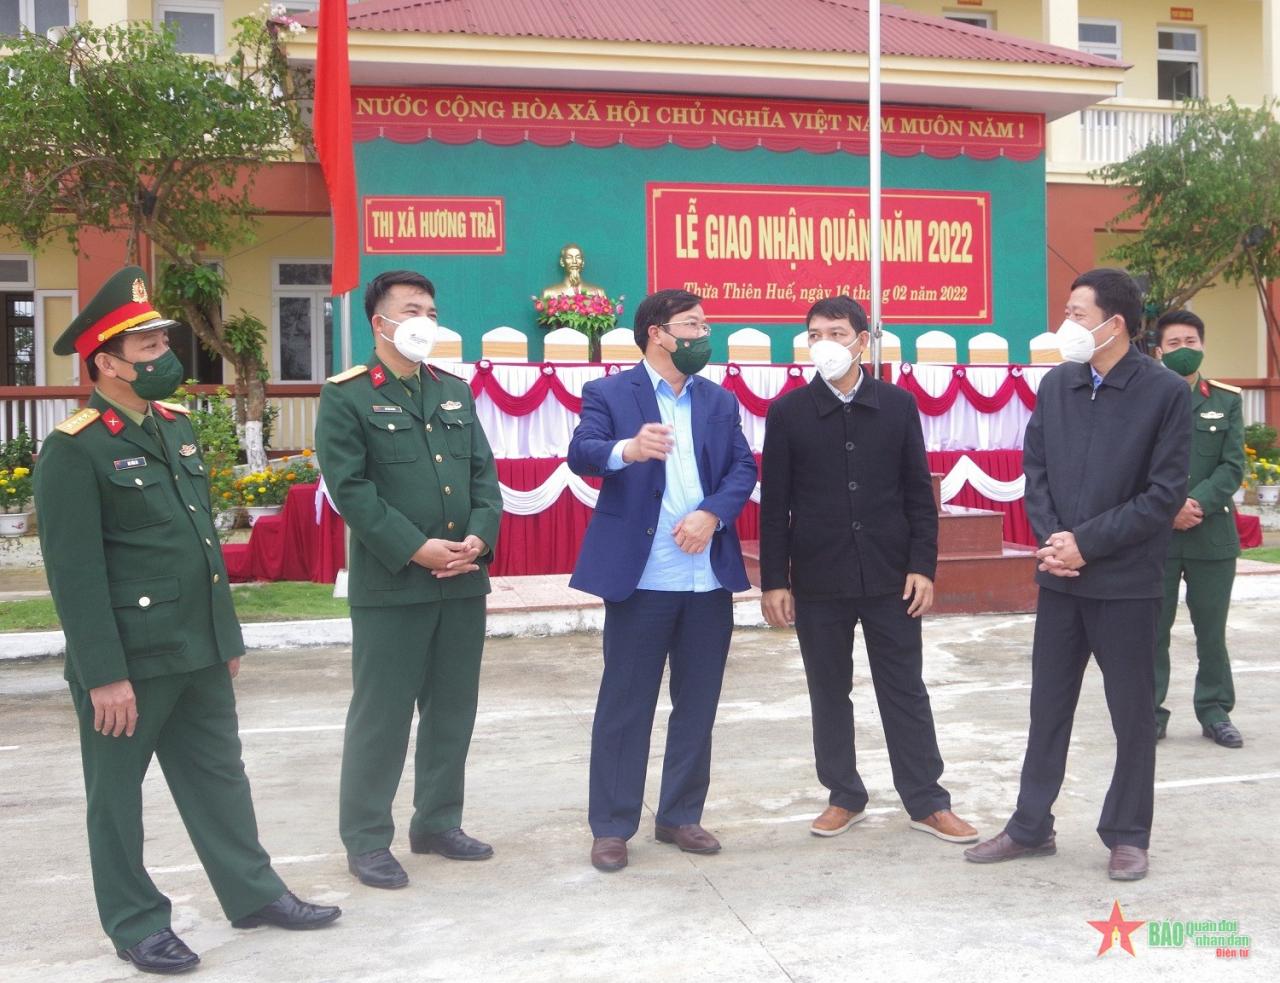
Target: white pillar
1270	49
1061	19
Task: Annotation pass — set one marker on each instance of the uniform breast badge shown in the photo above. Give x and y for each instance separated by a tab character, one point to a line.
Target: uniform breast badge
450	405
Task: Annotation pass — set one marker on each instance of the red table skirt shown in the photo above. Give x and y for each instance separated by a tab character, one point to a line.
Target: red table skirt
1250	529
291	545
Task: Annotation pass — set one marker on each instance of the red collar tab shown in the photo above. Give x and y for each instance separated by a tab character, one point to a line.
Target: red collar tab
1204	388
162	411
378	376
111	420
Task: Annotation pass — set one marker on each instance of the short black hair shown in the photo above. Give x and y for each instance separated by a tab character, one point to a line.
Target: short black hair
660	308
839	308
1116	293
1178	317
112	346
383	282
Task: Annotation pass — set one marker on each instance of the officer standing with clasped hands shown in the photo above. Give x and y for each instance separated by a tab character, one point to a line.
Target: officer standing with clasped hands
152	641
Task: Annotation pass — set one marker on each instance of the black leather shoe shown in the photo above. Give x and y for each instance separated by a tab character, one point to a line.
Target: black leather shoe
1224	733
288	911
1162	728
160	952
452	843
377	868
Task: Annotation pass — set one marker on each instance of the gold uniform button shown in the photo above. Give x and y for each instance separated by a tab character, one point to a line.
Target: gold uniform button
208	541
137	481
191	507
200	466
391	426
144	601
449	525
439	460
448	490
216	578
428	428
175	477
1212	429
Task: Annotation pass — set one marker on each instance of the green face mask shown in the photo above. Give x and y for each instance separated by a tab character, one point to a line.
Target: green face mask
158	378
691	354
1184	361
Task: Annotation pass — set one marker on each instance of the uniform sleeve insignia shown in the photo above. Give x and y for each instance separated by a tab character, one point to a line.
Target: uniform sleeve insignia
351	373
1223	385
111	420
77	421
172	408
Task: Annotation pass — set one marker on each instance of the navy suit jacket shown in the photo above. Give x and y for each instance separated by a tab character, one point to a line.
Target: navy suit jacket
618	540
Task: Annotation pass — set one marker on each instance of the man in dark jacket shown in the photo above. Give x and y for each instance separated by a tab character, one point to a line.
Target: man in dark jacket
849	534
1105	456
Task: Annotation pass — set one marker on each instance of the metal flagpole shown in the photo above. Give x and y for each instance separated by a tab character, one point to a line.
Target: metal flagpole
346	330
873	188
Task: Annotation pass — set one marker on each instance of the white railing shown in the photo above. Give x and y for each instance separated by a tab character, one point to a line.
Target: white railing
1112	132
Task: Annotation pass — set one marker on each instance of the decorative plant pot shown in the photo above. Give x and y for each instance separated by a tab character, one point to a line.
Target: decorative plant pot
1268	494
14	524
225	521
256	512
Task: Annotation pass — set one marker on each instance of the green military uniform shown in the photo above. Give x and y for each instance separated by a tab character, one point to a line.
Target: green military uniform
406	461
140	588
1205	555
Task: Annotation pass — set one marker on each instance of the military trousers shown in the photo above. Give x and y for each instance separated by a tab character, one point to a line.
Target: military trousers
1209	585
423	655
188	722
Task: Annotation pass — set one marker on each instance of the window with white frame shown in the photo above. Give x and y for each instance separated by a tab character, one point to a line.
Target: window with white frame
1099	37
302	315
33	15
974	18
1178	63
197	23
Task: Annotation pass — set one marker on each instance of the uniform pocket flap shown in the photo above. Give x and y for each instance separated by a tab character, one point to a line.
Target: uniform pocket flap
144	593
390	422
456	418
135	477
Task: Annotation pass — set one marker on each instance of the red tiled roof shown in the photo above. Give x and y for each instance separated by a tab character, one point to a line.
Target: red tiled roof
794	25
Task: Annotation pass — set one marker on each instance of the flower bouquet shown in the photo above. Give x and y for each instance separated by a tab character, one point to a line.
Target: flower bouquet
591	314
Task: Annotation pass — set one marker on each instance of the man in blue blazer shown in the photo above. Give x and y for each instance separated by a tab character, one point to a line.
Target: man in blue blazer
662	552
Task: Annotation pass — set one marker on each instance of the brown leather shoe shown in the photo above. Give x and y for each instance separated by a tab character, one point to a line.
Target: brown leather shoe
691	838
1003	847
835	820
609	853
1128	863
946	825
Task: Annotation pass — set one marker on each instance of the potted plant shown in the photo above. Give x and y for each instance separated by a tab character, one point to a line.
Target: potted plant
261	493
591	314
15	500
1267	473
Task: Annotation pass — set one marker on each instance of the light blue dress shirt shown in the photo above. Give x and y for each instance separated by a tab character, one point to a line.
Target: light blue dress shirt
669	567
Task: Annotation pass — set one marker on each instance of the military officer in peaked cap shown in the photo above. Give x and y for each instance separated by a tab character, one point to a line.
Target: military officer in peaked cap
152	640
411	472
1205	542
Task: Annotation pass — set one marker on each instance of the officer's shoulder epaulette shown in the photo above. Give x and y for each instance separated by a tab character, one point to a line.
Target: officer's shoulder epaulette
182	408
350	373
439	371
1223	385
77	421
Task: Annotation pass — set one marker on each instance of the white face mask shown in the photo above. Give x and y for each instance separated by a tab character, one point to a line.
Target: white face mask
1075	341
414	337
831	358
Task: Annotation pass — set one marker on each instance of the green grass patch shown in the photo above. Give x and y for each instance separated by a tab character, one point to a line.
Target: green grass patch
1267	554
283	601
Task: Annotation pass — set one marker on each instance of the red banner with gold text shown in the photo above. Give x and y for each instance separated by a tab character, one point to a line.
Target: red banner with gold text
761	253
551	117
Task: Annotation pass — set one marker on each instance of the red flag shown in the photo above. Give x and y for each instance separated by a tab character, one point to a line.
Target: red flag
332	129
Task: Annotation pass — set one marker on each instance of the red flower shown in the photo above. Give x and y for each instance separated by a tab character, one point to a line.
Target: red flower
537	305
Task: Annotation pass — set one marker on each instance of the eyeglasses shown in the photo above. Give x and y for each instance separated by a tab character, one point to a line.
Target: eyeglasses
702	327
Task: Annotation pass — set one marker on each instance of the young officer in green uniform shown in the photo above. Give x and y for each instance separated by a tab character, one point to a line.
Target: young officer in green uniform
1205	541
410	470
152	639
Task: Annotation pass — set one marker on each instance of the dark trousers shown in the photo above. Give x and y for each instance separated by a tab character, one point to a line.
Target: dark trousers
825	630
423	655
640	633
1208	599
1121	634
188	722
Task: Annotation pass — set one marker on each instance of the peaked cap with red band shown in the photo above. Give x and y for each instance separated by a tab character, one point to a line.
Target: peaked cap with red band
121	306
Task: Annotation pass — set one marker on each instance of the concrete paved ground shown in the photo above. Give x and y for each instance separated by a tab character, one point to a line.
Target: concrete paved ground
881	901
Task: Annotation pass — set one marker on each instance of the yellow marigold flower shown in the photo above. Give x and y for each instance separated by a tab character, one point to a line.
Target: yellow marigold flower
291	476
21	472
248	498
261	490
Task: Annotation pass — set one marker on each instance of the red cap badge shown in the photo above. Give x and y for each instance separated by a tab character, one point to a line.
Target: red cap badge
111	419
